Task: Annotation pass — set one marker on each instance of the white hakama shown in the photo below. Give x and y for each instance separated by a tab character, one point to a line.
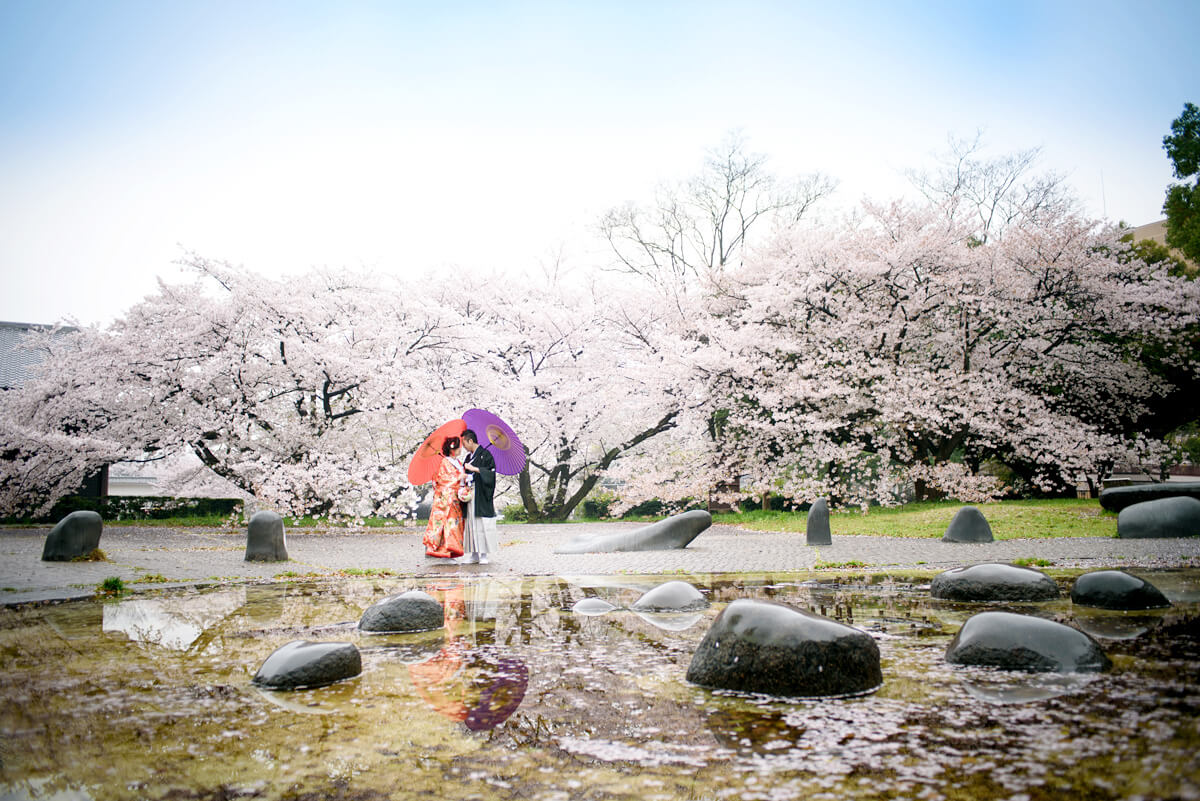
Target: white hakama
479	535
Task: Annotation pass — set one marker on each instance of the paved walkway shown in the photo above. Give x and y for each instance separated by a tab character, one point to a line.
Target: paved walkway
196	556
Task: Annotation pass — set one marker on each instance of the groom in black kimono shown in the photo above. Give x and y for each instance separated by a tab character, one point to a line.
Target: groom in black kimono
482	466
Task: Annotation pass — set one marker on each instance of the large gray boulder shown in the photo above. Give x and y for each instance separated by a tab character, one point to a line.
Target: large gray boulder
410	611
993	582
265	541
1117	498
763	647
301	664
968	525
665	535
76	535
1115	589
673	596
816	527
1023	642
1165	517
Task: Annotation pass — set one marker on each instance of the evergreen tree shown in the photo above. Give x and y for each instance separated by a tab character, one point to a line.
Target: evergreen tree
1182	205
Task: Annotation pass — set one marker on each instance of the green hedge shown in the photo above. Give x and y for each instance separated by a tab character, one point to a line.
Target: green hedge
138	507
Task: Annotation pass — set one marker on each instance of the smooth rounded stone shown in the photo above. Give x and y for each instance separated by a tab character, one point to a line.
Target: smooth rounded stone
665	535
301	664
1115	589
265	540
410	611
592	606
1165	517
1022	642
76	535
1117	498
968	525
816	529
763	647
993	582
674	596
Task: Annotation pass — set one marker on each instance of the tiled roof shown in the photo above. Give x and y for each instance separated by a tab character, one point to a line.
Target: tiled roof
15	358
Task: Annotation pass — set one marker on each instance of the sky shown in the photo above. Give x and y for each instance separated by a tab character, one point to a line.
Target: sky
415	138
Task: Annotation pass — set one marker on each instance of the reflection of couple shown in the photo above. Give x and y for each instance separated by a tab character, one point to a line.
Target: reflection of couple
462	518
470	684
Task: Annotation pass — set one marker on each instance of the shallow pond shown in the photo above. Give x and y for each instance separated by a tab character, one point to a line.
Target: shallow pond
519	697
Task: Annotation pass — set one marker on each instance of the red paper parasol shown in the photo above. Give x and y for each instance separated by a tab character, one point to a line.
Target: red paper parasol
500	440
428	457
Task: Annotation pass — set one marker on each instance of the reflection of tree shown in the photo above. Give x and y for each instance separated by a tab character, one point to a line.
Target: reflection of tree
474	685
758	730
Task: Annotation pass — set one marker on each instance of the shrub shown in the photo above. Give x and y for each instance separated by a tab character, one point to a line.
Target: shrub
516	513
138	507
597	504
113	585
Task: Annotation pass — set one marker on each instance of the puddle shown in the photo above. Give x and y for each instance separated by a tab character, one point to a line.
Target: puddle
519	697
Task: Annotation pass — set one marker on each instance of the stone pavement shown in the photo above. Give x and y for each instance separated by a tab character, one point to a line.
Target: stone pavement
143	557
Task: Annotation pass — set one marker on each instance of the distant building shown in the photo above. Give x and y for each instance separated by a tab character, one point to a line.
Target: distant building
17	358
1157	232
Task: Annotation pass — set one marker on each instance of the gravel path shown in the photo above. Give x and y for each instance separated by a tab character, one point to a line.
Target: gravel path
192	556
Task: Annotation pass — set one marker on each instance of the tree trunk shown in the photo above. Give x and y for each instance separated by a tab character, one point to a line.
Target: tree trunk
558	505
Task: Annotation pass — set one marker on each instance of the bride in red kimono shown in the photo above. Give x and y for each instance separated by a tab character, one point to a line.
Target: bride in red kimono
444	533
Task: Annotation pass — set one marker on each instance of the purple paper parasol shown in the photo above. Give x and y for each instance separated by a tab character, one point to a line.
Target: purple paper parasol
500	440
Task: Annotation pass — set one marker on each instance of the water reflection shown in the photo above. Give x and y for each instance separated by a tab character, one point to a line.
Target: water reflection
174	622
520	697
44	790
465	680
1115	625
1180	586
328	700
1019	687
592	607
409	649
671	621
762	732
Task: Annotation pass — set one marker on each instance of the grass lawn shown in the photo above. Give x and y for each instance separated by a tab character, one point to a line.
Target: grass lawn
1008	519
209	521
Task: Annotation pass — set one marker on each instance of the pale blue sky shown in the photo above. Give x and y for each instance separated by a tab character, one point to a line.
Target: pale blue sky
409	137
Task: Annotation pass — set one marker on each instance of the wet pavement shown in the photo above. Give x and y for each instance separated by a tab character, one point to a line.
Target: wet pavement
154	557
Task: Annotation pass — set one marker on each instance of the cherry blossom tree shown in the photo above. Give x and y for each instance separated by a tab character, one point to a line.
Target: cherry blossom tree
307	393
40	466
693	233
938	345
53	430
987	194
681	250
905	348
311	393
584	369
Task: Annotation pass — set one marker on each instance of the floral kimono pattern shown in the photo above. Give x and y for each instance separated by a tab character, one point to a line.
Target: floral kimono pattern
444	533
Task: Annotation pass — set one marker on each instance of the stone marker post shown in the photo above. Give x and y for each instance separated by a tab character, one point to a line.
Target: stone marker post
265	540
